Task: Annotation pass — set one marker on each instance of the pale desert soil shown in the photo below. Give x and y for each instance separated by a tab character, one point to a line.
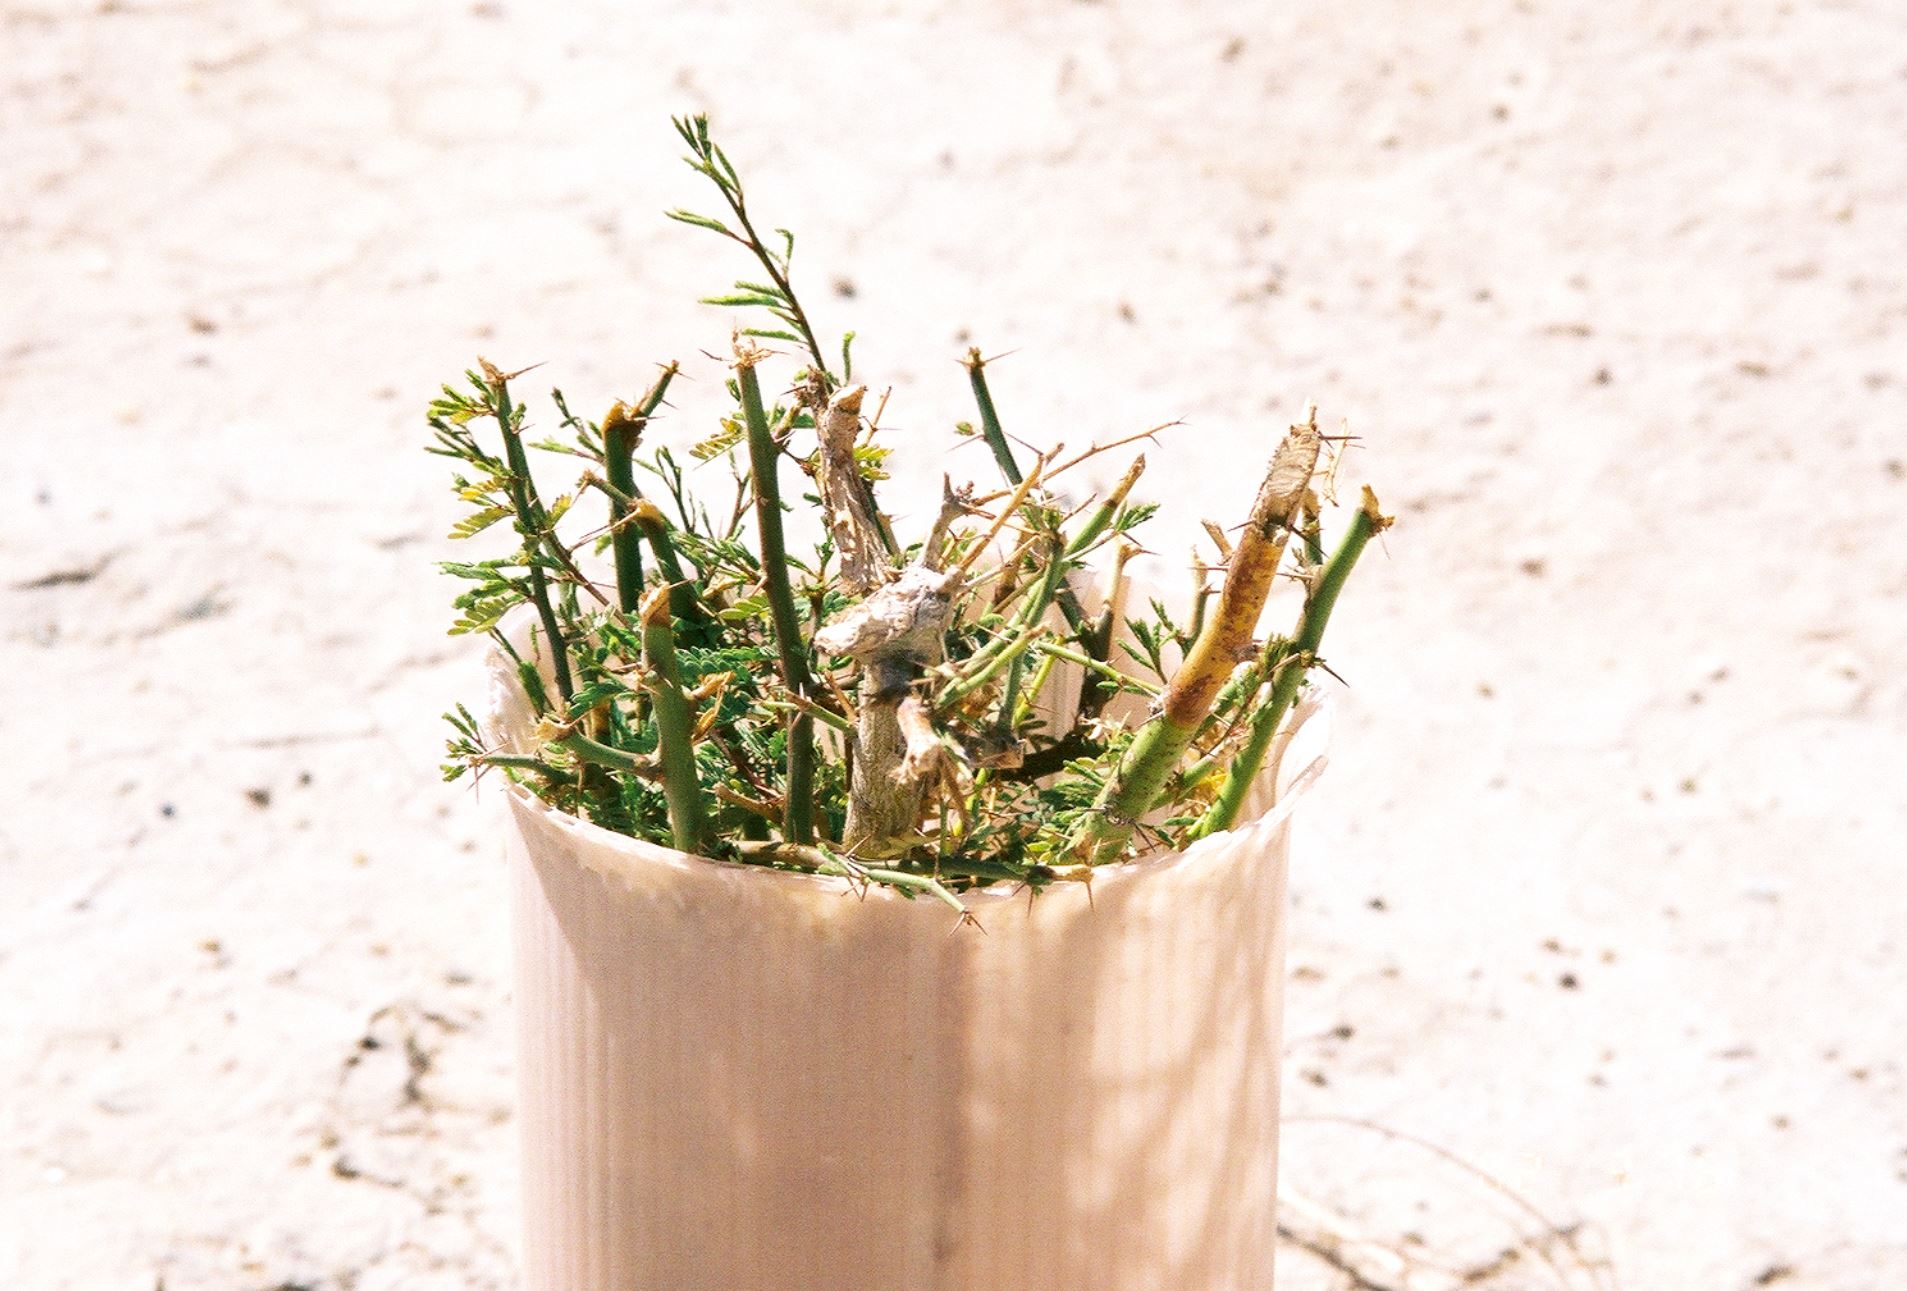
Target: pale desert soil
1604	892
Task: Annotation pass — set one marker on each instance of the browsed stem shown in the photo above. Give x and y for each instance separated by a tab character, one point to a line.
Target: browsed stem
1292	666
530	523
990	428
675	727
684	602
763	457
1106	511
1155	752
622	429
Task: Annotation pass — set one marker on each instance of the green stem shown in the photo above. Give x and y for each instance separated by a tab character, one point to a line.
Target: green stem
1034	610
1098	666
1023	709
829	719
907	882
1148	763
1094	692
1052	759
694	130
521	762
529	519
684	601
1295	662
675	726
1011	650
995	435
797	819
1007	872
1244	685
625	537
622	430
1106	512
780	280
763	459
1103	515
596	753
822	861
990	428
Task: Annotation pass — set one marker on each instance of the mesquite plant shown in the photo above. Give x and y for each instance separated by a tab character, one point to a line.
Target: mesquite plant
930	715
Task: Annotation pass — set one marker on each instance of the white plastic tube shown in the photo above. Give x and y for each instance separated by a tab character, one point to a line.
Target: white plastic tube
736	1079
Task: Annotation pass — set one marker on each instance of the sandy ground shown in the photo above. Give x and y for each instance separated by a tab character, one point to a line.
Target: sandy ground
1604	894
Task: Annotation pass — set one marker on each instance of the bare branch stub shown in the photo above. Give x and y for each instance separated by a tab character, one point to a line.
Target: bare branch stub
894	635
857	534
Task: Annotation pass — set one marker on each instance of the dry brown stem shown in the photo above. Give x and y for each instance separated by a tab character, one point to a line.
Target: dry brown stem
857	535
1007	510
1248	577
1219	540
954	503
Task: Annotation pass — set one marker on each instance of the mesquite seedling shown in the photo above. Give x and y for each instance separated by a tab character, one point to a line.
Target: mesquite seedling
931	716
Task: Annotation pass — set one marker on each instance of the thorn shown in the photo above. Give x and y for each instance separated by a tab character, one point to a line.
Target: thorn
974	359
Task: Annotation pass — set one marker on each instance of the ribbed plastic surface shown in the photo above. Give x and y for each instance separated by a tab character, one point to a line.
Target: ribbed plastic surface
743	1080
